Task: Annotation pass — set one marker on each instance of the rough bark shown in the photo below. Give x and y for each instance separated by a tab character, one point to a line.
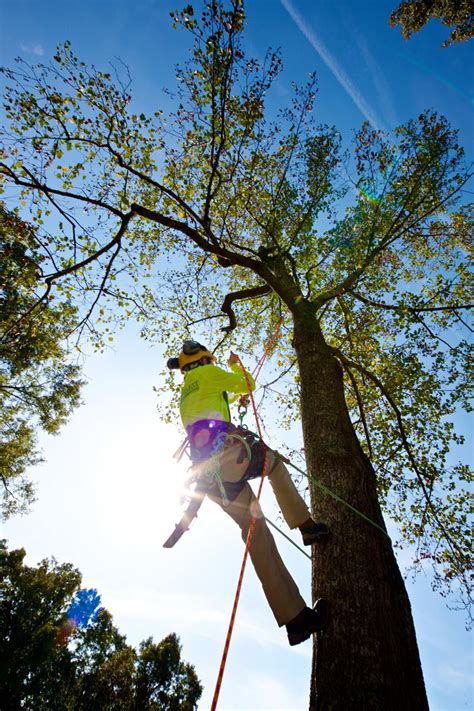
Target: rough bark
367	658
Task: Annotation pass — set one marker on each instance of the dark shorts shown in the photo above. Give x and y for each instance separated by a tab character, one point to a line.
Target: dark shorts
207	438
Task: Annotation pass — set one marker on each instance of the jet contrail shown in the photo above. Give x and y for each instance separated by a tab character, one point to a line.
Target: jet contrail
380	84
332	64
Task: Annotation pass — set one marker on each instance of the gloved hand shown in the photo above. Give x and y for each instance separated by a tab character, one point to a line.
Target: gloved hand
233	358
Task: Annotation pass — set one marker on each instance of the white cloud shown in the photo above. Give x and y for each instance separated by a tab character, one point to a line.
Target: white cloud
194	611
339	73
36	49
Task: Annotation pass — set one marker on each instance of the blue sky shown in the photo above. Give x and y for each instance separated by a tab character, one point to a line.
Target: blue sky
108	492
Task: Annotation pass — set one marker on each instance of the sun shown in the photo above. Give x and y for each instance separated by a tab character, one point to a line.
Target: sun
141	485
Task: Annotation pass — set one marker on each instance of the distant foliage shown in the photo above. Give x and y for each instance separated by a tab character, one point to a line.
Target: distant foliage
60	650
412	15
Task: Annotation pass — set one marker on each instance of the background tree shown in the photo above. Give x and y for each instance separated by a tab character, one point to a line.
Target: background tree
60	650
412	15
162	679
105	666
39	386
35	670
239	218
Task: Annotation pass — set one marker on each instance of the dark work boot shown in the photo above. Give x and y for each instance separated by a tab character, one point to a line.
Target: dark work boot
313	532
307	622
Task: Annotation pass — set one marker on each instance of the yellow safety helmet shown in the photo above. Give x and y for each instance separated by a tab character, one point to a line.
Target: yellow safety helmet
192	352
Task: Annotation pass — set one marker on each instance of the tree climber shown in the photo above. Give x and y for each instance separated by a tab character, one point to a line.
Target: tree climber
225	457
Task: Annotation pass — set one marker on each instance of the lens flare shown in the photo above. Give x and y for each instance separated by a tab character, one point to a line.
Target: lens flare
83	611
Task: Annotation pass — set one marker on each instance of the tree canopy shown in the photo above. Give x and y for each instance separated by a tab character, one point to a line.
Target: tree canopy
223	216
412	15
61	650
39	385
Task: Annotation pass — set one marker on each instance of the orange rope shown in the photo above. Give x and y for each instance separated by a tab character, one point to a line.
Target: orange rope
267	350
252	523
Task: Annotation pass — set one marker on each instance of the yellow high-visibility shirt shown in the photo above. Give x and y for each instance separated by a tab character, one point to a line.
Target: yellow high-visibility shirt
203	393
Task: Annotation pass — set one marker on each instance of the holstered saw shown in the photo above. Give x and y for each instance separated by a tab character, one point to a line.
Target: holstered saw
190	514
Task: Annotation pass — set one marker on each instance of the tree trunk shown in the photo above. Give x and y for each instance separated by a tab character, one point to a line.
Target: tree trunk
367	657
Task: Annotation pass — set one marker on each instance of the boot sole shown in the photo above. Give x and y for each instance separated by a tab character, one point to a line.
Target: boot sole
317	538
321	606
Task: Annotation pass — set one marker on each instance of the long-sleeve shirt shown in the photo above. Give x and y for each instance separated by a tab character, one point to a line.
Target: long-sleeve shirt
204	392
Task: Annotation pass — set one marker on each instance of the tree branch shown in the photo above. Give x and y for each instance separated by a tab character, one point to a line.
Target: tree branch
240	296
360	405
101	288
404	438
93	257
35	184
403	307
351	279
229	257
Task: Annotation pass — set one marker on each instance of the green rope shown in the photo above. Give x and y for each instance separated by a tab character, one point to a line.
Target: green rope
334	495
287	537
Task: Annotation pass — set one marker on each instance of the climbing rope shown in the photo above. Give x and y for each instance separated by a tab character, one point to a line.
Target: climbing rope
335	496
253	519
287	537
